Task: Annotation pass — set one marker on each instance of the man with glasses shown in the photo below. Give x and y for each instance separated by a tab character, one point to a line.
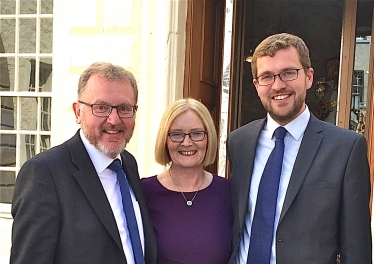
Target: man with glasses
300	186
81	202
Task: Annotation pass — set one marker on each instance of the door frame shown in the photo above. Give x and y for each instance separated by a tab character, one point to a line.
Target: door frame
345	74
346	81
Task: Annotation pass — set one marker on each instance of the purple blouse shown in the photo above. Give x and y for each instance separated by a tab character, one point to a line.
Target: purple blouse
200	233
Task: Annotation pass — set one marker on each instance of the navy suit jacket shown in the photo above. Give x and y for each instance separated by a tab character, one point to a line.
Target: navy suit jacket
61	212
326	208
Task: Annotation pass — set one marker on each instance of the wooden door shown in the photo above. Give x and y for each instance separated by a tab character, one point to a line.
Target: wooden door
358	21
204	49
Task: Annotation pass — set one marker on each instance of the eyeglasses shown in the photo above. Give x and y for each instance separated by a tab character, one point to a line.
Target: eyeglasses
195	136
285	76
102	110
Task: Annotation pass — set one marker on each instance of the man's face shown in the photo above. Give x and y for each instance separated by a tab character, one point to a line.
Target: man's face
108	134
284	101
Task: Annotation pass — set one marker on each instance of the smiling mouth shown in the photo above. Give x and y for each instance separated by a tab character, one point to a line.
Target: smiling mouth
280	97
187	153
112	131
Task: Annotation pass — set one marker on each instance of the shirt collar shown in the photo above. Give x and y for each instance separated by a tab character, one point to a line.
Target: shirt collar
99	160
296	127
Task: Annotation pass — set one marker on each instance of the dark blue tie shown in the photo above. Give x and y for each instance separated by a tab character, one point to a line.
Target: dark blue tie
263	220
129	211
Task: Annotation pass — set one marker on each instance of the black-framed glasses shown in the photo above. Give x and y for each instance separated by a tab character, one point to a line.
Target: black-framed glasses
195	136
285	76
102	110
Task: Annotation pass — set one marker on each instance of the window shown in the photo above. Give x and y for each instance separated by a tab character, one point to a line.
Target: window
26	30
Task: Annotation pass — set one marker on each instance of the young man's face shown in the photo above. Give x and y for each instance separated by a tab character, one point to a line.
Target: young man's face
283	100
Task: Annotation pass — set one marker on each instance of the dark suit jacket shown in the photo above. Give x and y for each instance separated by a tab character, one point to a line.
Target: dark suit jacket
61	212
326	208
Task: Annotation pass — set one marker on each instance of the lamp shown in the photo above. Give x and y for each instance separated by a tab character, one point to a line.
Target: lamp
249	57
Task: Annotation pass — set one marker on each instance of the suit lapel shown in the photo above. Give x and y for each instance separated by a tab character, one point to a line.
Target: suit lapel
308	149
247	153
90	183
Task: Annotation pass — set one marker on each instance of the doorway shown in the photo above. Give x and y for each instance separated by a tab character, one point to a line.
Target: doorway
339	37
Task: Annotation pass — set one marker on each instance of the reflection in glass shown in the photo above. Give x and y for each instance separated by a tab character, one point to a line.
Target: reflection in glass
28	112
45	143
11	69
326	92
6	74
7	7
27	35
46	114
7	180
20	43
8	34
45	74
46	32
7	113
27	7
27	74
27	148
4	71
7	150
26	77
360	84
46	6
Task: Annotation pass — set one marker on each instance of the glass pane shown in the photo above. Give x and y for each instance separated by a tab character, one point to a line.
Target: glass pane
7	7
326	92
7	150
8	35
46	32
26	78
28	112
27	35
7	113
46	114
27	148
27	6
6	74
360	84
46	6
7	180
45	143
45	75
361	66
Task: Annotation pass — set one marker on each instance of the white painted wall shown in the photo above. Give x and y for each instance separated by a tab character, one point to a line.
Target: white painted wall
146	37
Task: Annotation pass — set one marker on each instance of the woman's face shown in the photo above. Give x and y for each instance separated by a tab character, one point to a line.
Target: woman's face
188	153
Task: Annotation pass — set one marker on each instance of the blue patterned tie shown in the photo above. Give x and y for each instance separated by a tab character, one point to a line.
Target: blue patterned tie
263	220
129	211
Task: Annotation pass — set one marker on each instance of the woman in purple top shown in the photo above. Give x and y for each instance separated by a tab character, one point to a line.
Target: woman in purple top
190	208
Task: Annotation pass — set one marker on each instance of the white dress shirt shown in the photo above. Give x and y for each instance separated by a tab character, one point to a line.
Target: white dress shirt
265	145
111	187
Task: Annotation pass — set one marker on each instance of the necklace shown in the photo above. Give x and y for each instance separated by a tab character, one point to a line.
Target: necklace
188	202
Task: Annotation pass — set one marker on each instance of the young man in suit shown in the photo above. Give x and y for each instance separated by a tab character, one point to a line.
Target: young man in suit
67	203
320	207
